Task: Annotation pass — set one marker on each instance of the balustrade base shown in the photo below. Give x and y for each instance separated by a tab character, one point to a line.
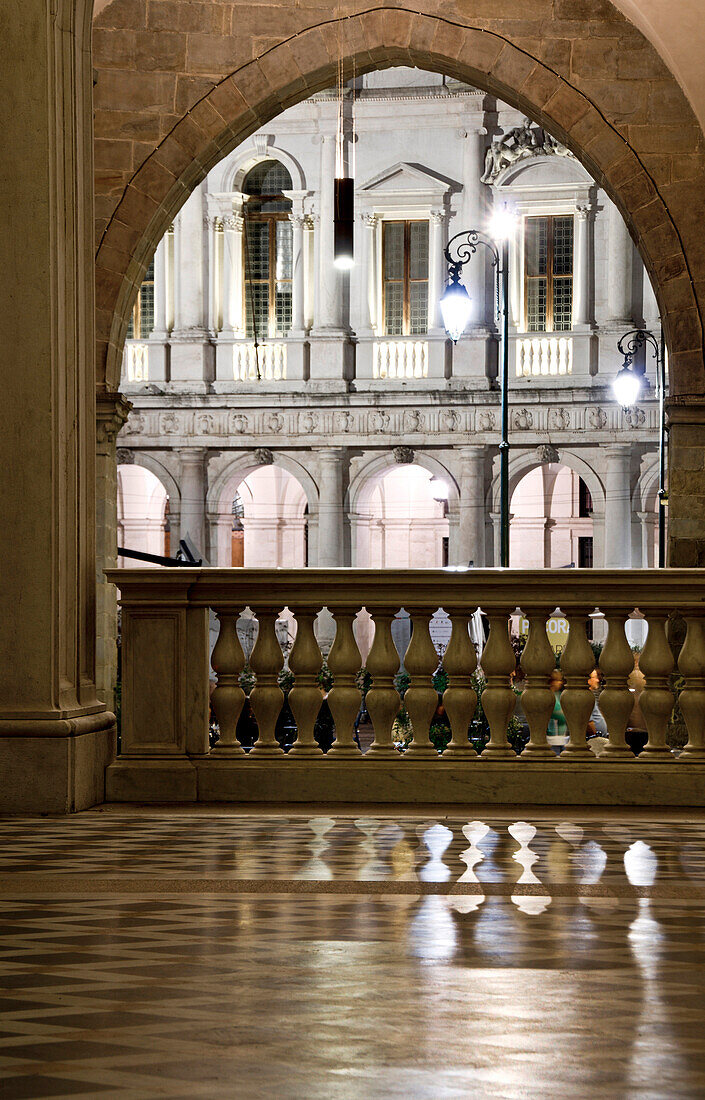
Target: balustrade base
476	782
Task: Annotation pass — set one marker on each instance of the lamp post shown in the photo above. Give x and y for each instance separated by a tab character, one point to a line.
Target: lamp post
455	308
627	387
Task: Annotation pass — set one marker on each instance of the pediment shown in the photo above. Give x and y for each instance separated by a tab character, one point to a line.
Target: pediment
543	171
404	176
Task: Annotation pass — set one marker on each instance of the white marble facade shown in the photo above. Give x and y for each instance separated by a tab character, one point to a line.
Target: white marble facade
335	454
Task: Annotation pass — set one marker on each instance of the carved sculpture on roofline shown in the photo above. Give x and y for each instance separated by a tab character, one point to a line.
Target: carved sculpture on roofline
520	143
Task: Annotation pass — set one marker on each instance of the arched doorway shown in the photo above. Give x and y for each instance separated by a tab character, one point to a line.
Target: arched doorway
143	510
401	520
551	520
259	519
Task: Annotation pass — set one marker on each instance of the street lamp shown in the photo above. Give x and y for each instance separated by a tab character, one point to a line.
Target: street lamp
455	310
627	387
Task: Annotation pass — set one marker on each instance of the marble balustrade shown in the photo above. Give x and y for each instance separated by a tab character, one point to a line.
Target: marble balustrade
165	695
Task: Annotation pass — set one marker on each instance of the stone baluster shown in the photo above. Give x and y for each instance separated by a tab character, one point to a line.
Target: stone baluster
228	699
305	697
616	700
421	699
383	700
267	697
344	662
498	699
656	700
691	664
460	697
577	700
537	699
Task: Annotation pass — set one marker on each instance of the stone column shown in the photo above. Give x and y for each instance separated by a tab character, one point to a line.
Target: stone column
189	336
619	271
111	414
215	228
650	310
471	510
618	514
56	736
581	269
330	507
330	284
366	319
193	485
160	332
436	273
232	276
298	320
475	207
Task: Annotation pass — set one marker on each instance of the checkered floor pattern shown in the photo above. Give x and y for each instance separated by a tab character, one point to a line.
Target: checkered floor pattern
351	956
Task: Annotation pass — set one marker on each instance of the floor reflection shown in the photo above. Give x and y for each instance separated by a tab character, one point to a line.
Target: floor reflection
338	955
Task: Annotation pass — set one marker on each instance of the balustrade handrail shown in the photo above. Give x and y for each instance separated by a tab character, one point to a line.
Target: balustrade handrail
629	589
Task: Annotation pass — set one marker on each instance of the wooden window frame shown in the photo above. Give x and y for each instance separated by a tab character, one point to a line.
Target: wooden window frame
137	307
549	276
406	279
269	219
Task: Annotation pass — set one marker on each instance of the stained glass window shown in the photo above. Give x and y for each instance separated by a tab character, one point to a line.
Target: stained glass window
268	251
405	267
548	273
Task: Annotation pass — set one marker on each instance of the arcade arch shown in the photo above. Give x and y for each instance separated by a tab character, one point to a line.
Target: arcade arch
143	509
551	519
397	522
269	528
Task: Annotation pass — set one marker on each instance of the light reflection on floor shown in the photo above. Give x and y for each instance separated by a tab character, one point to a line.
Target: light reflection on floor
332	955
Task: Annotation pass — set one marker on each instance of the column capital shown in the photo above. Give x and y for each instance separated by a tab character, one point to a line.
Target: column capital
111	412
192	455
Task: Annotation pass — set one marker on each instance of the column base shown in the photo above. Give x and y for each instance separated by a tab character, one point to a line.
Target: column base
55	766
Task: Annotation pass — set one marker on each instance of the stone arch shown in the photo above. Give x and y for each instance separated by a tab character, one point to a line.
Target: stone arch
590	91
522	462
375	468
140	458
218	506
243	464
646	491
247	158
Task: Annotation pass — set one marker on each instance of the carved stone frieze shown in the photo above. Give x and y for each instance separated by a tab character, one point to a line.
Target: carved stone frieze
523	420
597	418
558	419
238	424
635	418
274	422
486	421
309	423
170	423
206	424
379	420
449	420
413	421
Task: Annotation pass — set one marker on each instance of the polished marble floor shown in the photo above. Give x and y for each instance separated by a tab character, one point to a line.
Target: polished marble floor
180	954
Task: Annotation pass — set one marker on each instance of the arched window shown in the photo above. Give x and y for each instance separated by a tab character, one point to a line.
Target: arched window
142	320
268	251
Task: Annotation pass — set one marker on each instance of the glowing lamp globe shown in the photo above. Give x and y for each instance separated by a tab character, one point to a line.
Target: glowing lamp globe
502	224
455	309
627	387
